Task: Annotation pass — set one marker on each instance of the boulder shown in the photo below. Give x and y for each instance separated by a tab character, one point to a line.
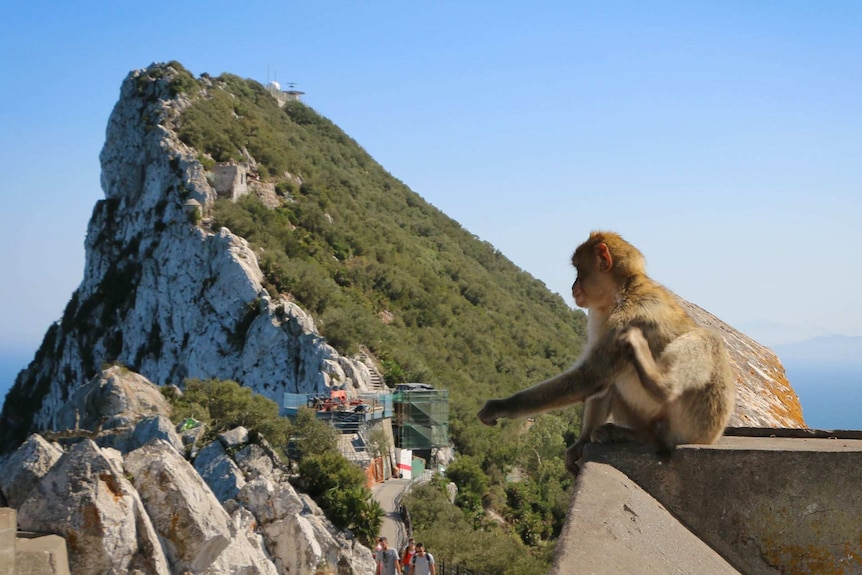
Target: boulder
191	523
126	438
219	471
157	427
254	462
246	554
298	536
25	467
115	398
85	498
235	438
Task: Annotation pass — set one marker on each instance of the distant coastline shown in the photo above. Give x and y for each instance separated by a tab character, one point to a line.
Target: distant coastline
830	393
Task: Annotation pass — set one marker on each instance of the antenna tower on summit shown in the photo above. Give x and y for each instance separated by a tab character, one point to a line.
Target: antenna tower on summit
284	96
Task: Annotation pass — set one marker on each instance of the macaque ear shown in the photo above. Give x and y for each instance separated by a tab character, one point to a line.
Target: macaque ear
603	255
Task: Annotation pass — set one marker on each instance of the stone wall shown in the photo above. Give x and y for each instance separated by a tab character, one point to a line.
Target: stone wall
764	502
231	180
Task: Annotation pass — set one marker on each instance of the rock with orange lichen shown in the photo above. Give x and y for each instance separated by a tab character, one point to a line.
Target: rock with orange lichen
86	498
764	397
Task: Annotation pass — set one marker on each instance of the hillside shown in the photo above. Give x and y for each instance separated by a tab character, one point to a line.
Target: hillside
245	237
173	293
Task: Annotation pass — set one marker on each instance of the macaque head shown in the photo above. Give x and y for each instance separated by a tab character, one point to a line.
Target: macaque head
603	263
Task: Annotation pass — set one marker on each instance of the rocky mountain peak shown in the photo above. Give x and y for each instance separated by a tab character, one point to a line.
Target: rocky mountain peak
161	294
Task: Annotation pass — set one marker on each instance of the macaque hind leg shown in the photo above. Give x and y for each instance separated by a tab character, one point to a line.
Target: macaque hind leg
612	433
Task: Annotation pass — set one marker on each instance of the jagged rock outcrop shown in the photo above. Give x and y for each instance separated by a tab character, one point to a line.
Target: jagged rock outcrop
186	514
145	508
169	298
86	498
162	295
764	397
25	467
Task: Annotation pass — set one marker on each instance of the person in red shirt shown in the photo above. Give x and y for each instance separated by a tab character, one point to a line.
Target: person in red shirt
407	554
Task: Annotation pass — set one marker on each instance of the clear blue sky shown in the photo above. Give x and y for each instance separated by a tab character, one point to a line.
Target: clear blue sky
722	138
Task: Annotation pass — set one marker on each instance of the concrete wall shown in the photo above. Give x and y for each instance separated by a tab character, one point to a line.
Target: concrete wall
8	529
23	553
763	505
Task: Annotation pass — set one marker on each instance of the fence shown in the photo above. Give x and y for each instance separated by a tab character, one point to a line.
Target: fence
444	568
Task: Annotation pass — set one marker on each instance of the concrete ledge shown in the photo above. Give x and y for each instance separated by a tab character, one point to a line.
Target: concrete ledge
41	555
615	526
765	504
24	553
8	528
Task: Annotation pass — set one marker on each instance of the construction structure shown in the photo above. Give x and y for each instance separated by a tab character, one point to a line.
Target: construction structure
421	418
230	180
413	422
760	501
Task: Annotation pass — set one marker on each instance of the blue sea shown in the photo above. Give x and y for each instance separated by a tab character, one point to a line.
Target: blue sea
831	394
11	363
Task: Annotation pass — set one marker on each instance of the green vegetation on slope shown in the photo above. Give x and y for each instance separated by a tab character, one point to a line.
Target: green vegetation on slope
377	265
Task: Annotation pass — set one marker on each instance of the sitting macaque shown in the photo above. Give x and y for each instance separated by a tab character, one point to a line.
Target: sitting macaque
661	378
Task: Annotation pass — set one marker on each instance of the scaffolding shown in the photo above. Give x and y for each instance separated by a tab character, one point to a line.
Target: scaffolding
421	418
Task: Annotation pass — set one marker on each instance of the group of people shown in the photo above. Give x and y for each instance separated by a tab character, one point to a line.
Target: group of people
413	560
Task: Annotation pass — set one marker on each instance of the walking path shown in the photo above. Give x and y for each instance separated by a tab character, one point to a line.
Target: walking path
387	494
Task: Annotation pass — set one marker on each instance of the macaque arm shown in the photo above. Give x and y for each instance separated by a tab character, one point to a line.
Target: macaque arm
588	377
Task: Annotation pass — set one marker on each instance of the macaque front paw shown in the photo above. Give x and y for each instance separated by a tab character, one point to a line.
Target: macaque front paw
631	337
490	413
573	455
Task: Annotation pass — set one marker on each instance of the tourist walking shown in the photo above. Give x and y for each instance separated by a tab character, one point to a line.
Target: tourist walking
407	555
388	562
422	562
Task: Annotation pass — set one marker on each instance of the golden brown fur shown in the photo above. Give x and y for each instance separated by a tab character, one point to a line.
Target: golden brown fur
647	365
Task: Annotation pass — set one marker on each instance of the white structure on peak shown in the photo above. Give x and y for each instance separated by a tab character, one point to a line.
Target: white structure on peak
284	96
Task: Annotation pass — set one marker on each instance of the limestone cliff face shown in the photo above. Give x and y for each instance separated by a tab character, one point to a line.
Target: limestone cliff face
162	294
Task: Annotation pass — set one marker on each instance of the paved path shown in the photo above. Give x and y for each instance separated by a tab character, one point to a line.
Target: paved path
387	494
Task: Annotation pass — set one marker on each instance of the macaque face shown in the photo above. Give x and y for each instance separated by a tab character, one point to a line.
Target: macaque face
593	287
578	290
586	288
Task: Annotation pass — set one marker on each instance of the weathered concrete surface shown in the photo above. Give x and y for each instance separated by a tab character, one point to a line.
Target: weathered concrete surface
25	553
616	527
766	504
8	528
41	555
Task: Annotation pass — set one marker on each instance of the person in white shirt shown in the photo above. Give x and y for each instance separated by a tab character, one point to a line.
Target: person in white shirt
422	562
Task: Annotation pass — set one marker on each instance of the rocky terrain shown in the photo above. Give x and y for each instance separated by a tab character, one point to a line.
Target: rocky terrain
121	486
163	296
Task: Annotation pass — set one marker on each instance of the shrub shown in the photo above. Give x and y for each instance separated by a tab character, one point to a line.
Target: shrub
224	405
